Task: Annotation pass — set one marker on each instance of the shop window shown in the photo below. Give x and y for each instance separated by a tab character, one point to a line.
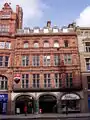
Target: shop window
88	63
36	80
46	60
88	81
46	44
25	60
47	81
25	80
3	83
56	44
67	59
35	61
4	61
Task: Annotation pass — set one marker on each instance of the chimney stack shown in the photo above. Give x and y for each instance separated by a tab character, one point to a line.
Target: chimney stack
49	24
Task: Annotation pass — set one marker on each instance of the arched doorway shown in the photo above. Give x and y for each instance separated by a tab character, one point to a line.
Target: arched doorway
48	103
21	102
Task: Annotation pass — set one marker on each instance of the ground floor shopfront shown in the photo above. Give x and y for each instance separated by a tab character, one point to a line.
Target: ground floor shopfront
47	102
3	103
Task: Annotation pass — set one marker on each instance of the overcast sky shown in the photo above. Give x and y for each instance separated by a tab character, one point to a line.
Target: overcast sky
60	12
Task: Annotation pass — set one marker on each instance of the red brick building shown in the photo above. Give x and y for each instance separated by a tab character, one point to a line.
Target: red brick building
38	67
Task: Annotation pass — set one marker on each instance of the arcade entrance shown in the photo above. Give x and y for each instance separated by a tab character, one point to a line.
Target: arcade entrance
48	104
23	101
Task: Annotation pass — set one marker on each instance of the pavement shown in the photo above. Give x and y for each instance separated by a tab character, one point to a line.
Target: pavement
81	116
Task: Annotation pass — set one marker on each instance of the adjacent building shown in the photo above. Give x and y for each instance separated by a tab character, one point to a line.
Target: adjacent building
84	51
39	67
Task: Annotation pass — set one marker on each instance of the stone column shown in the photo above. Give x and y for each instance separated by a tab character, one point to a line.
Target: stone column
13	107
9	103
36	106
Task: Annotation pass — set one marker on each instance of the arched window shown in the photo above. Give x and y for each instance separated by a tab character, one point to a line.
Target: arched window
25	44
3	82
36	44
46	44
56	44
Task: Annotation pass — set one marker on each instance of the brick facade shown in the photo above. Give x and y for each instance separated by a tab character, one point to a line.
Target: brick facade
17	37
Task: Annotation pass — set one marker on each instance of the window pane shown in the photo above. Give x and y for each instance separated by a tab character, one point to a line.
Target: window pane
2	45
36	45
26	45
56	44
66	43
25	60
8	45
46	44
6	60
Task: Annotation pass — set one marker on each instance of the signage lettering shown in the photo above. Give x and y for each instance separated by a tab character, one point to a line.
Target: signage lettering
70	97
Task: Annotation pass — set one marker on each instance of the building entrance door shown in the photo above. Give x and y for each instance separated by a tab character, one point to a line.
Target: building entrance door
48	104
23	101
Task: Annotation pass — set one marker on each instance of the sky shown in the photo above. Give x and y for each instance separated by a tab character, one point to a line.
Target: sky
59	12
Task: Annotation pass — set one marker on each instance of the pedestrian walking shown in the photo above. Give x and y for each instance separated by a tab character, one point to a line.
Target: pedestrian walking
25	110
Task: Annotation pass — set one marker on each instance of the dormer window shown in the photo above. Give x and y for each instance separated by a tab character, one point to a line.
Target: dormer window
55	29
45	30
66	43
25	44
46	44
36	30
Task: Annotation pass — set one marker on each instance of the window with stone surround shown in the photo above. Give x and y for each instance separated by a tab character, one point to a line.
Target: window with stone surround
36	45
47	80
35	60
25	80
57	79
46	60
87	63
56	60
67	59
65	43
4	28
88	81
46	44
25	60
56	44
3	83
26	44
87	46
5	45
4	61
36	80
69	79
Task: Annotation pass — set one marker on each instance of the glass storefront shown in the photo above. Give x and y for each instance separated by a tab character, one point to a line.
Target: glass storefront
71	103
3	103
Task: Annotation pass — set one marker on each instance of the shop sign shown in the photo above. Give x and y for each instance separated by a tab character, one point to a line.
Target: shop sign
3	97
70	97
17	78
